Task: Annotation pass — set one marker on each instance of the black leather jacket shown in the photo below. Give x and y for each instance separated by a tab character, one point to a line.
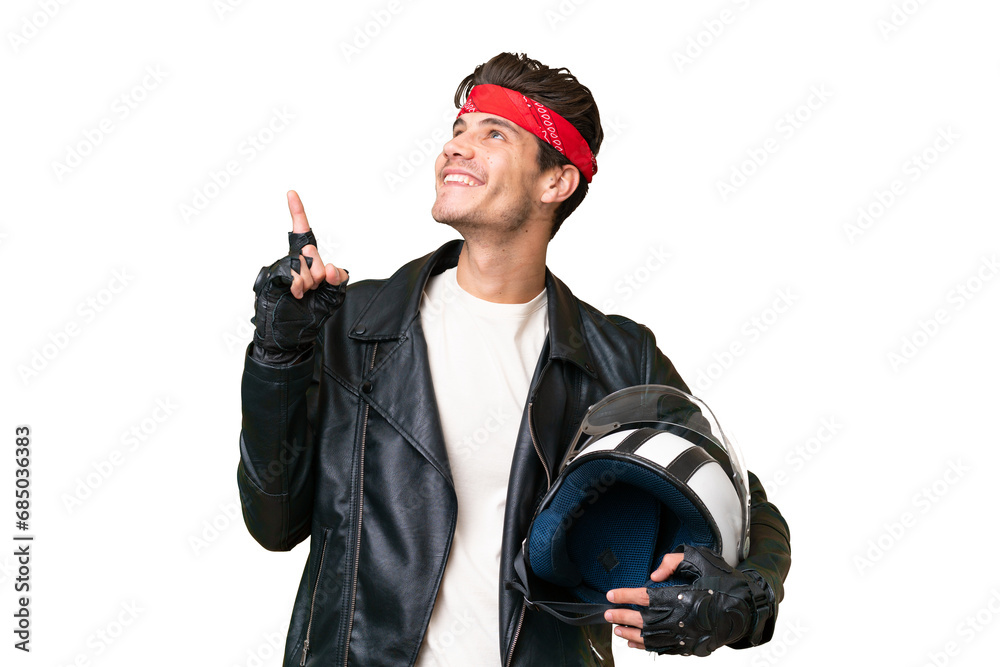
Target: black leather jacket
346	448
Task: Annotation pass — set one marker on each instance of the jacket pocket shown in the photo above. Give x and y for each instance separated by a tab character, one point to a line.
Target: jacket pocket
312	598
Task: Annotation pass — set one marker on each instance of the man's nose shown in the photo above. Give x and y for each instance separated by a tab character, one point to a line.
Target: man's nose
457	146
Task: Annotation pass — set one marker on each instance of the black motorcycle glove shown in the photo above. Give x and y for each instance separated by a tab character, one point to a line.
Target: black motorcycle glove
286	327
721	606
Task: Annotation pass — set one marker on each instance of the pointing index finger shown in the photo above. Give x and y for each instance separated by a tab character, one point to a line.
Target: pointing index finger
300	225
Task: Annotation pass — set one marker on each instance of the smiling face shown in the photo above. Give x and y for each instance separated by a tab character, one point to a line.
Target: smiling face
487	178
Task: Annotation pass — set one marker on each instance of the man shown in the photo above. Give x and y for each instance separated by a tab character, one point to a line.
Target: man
409	426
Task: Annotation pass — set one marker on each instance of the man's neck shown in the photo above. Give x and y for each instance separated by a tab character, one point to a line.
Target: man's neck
502	273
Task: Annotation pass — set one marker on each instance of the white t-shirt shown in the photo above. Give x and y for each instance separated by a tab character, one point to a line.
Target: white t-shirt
482	357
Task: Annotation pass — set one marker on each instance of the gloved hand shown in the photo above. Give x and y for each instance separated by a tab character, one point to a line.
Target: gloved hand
721	606
292	304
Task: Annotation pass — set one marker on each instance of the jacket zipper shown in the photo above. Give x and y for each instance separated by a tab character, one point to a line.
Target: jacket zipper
312	605
548	483
517	633
361	507
594	649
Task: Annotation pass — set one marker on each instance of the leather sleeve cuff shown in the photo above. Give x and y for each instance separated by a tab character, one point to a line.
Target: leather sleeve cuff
278	358
300	370
765	612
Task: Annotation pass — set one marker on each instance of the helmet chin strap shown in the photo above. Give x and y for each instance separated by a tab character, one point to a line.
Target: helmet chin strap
573	613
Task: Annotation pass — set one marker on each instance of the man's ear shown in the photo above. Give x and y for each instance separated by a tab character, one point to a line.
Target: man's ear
560	183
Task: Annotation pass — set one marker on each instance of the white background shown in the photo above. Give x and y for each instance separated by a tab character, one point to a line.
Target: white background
848	437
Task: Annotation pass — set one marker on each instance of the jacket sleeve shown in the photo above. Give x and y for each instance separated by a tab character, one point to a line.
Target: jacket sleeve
275	474
770	546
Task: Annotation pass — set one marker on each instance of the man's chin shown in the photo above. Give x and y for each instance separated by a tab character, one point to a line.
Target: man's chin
477	220
446	216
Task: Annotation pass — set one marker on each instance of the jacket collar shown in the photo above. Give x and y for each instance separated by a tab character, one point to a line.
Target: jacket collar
394	307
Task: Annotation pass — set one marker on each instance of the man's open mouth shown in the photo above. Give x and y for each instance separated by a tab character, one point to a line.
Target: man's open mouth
462	179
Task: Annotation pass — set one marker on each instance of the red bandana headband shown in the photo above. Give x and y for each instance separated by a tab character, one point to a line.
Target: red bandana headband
541	121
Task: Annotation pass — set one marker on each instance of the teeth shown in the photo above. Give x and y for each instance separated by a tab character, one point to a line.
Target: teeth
460	178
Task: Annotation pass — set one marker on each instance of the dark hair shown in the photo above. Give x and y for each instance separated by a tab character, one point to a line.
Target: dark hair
557	89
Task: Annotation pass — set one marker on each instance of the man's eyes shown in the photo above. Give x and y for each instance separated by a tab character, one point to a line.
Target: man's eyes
492	132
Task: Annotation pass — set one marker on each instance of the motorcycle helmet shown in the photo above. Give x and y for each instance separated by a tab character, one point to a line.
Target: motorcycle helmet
649	470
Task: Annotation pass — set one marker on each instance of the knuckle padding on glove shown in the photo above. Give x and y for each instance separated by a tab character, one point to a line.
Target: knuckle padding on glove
698	625
697	618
